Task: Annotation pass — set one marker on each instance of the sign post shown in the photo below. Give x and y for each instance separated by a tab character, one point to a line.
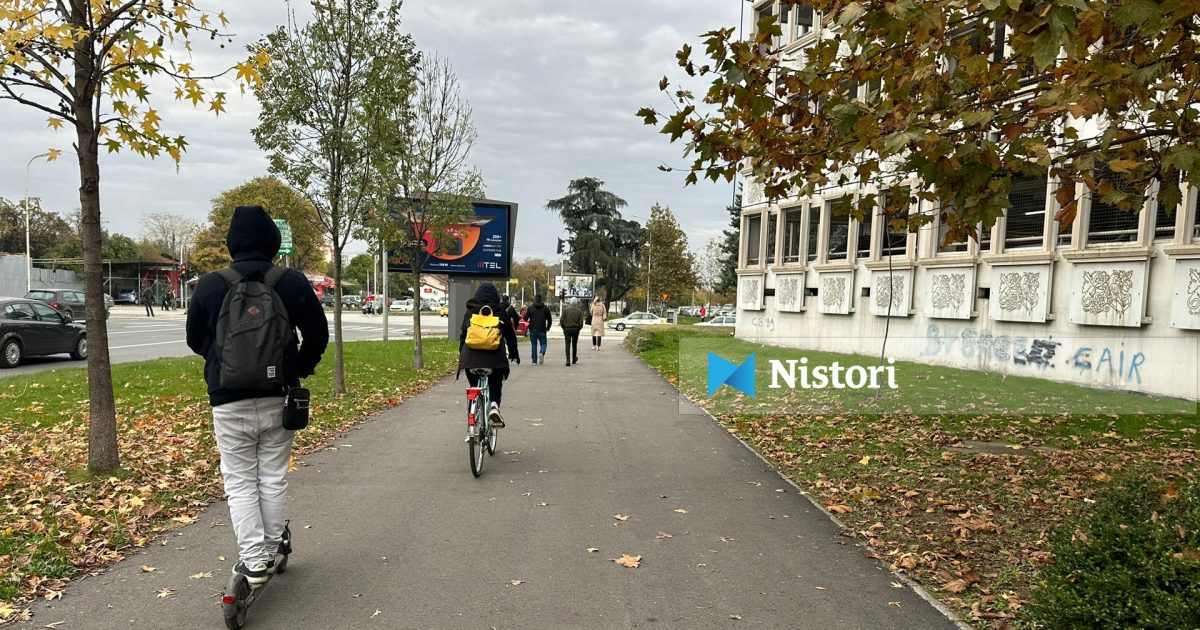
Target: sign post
286	247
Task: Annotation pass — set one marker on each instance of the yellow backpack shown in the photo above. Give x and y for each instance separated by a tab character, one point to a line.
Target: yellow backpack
484	331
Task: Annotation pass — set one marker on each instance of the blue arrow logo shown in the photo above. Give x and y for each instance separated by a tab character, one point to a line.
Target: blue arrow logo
722	372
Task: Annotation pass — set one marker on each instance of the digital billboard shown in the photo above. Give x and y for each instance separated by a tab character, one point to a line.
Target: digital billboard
479	246
575	286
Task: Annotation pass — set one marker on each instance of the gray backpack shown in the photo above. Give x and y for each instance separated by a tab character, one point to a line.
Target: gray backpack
253	331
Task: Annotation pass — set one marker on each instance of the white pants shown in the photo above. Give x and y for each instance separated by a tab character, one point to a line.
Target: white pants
255	449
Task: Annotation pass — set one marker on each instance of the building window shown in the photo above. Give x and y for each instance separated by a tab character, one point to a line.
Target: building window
1195	214
753	242
1025	221
863	243
765	11
803	24
772	226
893	240
1108	224
838	245
1164	219
941	247
814	231
793	234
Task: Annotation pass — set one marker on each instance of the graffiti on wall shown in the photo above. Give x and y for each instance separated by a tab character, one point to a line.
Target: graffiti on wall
764	322
991	351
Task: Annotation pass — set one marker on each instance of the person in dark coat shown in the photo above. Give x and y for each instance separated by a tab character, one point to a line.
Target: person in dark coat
539	317
498	359
571	322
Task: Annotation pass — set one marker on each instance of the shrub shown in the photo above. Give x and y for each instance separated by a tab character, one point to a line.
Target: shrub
1133	561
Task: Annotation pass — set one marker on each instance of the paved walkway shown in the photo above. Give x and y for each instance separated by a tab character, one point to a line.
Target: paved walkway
392	531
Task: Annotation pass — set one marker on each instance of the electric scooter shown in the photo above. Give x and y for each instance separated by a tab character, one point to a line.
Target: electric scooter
239	594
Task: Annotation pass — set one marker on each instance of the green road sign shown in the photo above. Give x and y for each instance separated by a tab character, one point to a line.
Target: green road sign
285	232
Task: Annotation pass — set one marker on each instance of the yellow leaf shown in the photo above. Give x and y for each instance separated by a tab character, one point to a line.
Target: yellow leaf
201	576
165	593
148	569
224	20
52	154
681	511
621	517
6	611
629	561
54	122
866	459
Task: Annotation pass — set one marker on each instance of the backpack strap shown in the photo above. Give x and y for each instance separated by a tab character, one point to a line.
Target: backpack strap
274	275
231	276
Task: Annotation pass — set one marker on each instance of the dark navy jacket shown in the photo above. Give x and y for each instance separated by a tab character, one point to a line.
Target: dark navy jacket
253	241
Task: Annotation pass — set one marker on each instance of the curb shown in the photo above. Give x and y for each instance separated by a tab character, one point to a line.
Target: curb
904	579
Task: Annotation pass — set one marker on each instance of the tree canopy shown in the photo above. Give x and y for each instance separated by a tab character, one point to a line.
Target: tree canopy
601	241
667	265
966	95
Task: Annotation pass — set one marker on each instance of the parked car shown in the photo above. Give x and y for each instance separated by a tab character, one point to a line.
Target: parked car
401	305
444	311
720	320
66	301
327	300
127	297
351	301
635	319
30	328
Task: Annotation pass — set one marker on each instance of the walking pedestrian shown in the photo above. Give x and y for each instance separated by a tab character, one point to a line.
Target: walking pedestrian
497	360
599	314
249	375
540	319
572	323
148	300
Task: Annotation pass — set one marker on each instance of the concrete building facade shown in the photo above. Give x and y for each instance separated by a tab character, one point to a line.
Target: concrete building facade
1112	300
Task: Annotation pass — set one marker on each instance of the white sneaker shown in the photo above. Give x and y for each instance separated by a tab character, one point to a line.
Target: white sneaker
494	416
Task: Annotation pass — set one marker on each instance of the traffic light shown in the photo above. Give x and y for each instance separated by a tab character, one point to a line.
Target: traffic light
562	246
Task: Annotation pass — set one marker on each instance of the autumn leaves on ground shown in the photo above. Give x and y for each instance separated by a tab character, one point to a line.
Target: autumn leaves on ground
966	505
56	523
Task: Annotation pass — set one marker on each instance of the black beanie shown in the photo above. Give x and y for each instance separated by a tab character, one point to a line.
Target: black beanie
252	234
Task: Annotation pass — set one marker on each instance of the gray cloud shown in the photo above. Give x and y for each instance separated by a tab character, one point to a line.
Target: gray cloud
554	87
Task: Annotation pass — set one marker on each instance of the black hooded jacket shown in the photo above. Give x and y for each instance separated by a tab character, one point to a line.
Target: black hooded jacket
253	241
469	358
539	316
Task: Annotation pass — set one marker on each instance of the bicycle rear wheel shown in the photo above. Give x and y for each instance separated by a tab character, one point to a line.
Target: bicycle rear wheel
475	445
492	437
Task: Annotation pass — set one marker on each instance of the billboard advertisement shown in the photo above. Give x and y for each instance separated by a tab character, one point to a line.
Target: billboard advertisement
479	246
575	286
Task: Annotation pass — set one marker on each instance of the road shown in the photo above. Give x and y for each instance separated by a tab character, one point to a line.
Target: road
134	337
598	460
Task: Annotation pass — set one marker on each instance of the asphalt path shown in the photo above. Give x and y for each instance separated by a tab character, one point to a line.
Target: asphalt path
134	337
598	460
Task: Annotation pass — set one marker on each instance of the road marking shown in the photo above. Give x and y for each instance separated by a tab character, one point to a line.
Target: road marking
143	345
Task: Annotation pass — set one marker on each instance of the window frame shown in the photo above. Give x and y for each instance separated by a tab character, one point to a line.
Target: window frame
1083	240
784	257
884	228
827	204
1049	224
747	218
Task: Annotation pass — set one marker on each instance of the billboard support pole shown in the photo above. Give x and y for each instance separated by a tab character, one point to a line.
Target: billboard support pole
383	270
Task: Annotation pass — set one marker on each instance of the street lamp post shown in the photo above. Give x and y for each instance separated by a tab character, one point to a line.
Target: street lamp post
28	252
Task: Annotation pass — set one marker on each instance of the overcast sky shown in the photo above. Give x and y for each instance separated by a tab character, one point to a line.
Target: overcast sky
554	86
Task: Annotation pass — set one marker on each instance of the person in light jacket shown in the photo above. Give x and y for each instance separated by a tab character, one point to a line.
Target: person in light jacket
599	314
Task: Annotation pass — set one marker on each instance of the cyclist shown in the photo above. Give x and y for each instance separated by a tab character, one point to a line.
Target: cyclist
497	360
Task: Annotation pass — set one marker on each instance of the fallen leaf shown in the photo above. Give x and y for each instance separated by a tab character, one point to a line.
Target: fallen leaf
735	616
516	582
621	517
681	511
592	549
629	561
148	569
201	576
376	613
866	459
838	508
663	535
957	586
164	593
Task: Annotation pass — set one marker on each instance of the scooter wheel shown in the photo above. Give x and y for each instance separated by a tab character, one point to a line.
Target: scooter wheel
233	602
282	566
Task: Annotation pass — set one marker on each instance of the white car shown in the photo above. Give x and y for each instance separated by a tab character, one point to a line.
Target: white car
401	306
634	319
720	320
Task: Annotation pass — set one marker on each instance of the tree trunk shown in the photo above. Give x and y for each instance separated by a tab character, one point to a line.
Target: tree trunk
418	349
339	357
103	455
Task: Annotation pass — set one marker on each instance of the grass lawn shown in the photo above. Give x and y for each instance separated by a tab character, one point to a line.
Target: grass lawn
959	477
55	523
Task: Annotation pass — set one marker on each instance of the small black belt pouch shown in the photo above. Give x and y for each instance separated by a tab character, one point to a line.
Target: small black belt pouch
295	408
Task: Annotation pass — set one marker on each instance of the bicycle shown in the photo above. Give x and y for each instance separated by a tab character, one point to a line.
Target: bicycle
481	435
239	595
